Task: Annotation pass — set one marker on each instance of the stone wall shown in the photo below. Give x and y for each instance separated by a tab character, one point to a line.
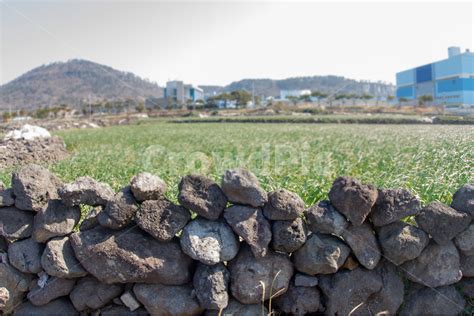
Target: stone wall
231	247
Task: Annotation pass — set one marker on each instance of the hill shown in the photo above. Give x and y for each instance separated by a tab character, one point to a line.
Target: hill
72	82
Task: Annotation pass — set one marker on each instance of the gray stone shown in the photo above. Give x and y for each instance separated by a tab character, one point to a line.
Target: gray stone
6	197
90	220
467	265
392	205
465	241
305	280
202	196
54	288
323	218
299	300
283	205
442	222
242	187
352	198
86	190
364	244
347	292
55	220
249	273
440	301
128	299
250	224
33	186
146	186
238	309
61	306
90	294
162	219
288	236
463	199
15	223
436	266
402	242
161	299
59	260
119	211
467	287
208	241
129	256
210	284
25	255
321	254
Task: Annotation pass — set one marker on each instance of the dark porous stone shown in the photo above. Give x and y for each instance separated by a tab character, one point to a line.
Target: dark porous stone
436	266
90	294
238	309
55	220
86	190
364	244
283	205
202	196
161	299
467	265
33	186
323	218
288	236
402	242
463	199
250	224
321	254
130	255
352	198
25	255
305	280
54	288
15	223
442	222
465	241
59	260
242	187
119	310
210	284
440	301
119	211
6	197
162	219
392	205
61	306
147	186
299	300
247	274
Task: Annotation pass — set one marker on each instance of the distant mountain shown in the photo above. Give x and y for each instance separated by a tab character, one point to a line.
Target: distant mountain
72	83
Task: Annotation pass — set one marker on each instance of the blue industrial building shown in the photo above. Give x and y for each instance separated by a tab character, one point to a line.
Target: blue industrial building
450	81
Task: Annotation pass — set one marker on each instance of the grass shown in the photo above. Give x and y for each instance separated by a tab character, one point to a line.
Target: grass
431	160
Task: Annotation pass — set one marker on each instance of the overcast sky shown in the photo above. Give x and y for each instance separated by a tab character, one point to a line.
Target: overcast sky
220	42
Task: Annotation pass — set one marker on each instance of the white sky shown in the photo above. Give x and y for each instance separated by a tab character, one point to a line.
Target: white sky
220	42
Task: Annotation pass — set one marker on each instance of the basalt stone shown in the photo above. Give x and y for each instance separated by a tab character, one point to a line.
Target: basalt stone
463	199
162	219
54	288
130	255
25	255
364	244
288	236
119	211
210	284
437	265
250	224
305	280
248	273
393	205
91	294
146	186
161	299
6	197
61	306
33	186
15	223
202	196
90	220
236	308
323	218
283	205
467	265
467	287
440	301
86	190
118	310
55	220
348	292
352	198
59	260
465	241
299	300
242	187
208	241
321	254
402	242
442	222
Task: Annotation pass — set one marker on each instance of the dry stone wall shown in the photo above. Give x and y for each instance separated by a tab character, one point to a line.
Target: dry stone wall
230	249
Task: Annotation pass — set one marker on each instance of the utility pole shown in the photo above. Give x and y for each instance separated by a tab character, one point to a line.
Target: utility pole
90	107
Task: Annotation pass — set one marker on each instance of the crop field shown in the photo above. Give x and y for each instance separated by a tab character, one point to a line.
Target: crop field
431	160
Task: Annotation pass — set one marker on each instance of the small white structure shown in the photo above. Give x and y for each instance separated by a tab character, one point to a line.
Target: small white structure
284	94
28	132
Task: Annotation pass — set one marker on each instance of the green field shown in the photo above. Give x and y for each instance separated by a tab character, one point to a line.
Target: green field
431	160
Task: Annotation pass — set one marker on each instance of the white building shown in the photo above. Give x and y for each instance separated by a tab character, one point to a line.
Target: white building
181	93
284	94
